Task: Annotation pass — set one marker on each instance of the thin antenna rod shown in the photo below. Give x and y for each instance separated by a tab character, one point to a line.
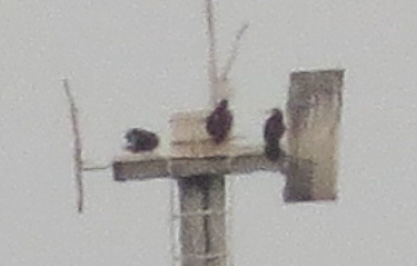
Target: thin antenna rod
78	163
96	168
234	52
212	60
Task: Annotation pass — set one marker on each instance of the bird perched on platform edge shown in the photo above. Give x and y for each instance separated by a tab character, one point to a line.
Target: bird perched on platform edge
219	122
141	140
273	131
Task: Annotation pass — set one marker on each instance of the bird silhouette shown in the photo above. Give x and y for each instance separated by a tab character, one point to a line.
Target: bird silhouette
219	122
273	131
140	140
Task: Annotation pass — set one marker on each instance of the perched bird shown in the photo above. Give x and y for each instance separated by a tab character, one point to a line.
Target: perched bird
273	131
139	140
219	122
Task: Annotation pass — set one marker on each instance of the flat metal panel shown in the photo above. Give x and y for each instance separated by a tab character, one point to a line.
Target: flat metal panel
314	111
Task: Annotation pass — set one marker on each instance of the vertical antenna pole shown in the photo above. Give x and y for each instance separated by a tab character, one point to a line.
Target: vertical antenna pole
212	57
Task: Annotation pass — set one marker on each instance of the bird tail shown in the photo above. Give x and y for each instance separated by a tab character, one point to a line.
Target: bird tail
272	151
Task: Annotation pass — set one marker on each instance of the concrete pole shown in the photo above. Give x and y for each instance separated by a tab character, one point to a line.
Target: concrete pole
313	112
202	224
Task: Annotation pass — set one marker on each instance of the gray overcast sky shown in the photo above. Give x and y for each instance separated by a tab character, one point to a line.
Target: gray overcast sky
132	63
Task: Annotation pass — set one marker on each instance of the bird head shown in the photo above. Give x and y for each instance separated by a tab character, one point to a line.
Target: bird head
275	112
223	104
130	137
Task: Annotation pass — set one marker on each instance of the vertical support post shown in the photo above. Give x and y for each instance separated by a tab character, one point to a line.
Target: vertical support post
314	112
203	224
212	59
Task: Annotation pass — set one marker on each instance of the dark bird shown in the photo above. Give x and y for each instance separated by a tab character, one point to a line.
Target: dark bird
139	140
273	132
219	122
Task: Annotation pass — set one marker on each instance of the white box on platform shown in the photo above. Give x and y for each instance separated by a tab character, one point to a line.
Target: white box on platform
190	138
